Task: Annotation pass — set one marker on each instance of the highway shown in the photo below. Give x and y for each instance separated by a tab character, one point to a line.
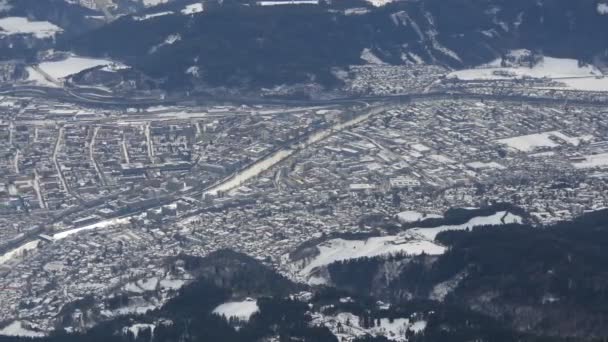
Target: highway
95	97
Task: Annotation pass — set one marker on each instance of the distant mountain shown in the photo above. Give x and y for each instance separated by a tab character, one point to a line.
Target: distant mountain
244	44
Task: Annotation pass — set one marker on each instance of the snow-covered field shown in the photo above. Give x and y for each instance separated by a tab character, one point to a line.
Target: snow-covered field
564	70
192	9
591	161
410	216
241	310
587	83
414	241
36	78
549	67
527	143
340	249
19	25
501	217
72	65
16	328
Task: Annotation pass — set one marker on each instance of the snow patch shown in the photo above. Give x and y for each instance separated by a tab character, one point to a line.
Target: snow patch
340	249
135	329
241	310
379	3
151	3
593	161
288	2
410	216
153	15
17	328
499	218
347	326
33	76
530	142
368	56
101	224
18	25
72	65
19	251
414	241
192	9
547	67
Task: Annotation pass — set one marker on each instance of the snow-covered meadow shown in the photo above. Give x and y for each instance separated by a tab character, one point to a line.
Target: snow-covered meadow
241	310
73	65
414	241
19	25
564	70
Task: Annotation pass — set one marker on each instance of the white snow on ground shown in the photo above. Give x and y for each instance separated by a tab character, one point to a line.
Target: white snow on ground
71	65
113	67
345	326
484	165
379	3
16	329
193	70
36	78
136	328
414	241
591	161
602	8
241	310
442	159
527	143
418	326
19	251
441	290
102	224
410	216
172	284
548	67
148	284
153	15
501	217
192	9
586	83
340	249
19	25
420	148
172	39
150	3
368	56
288	2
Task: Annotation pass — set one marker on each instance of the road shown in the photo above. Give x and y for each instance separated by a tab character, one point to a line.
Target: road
94	97
57	167
100	174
